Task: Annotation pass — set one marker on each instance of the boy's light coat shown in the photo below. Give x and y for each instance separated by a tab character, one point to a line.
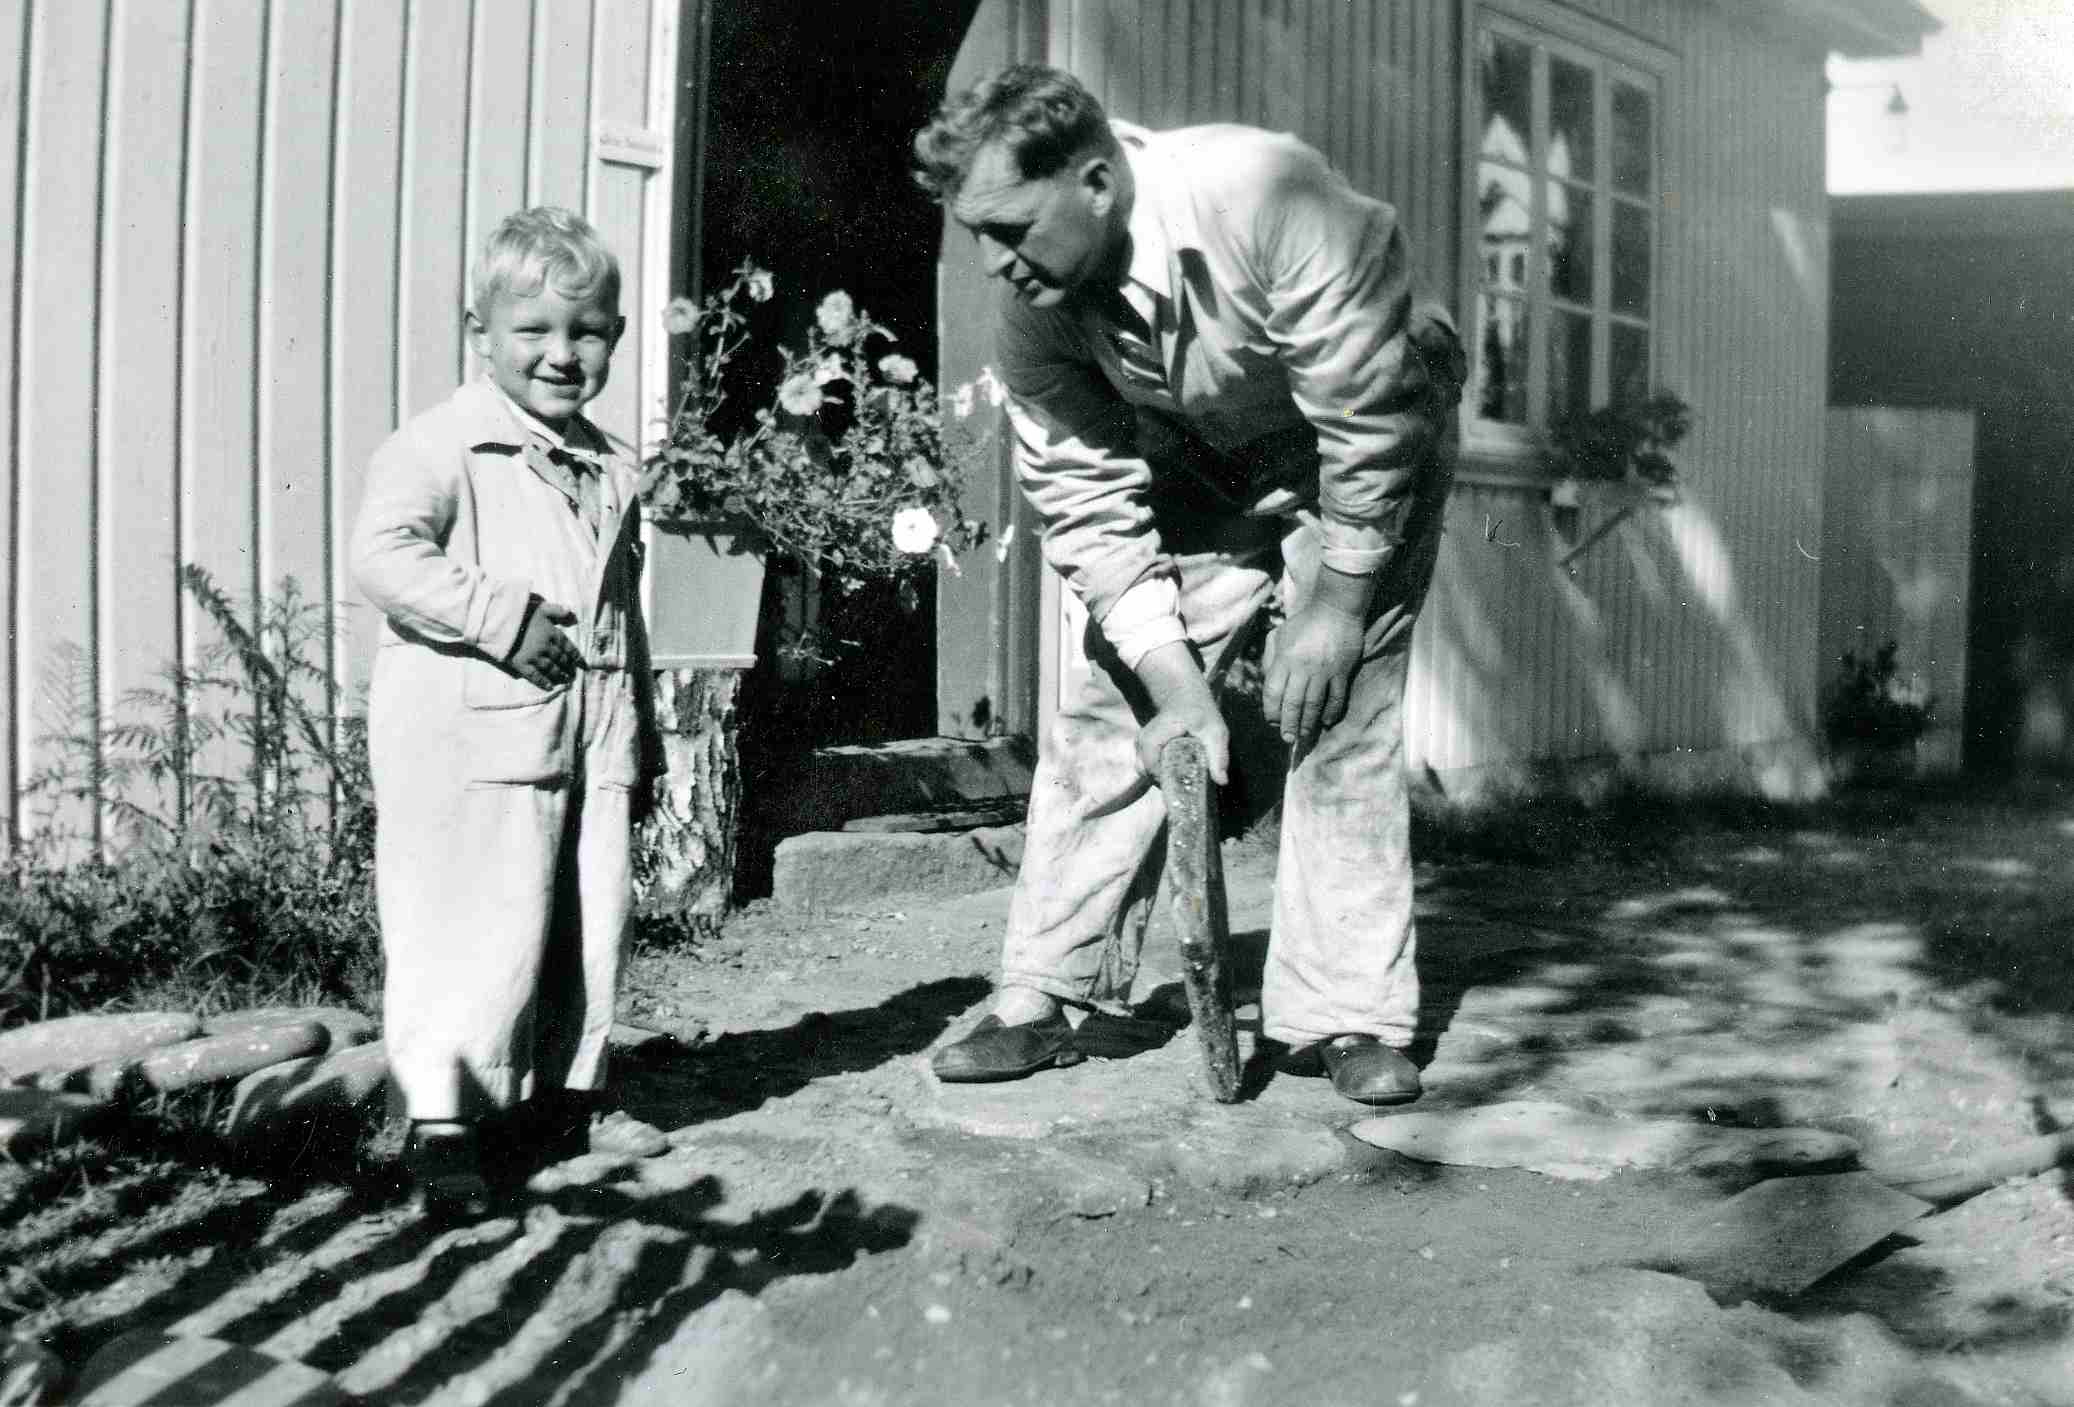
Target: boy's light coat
502	845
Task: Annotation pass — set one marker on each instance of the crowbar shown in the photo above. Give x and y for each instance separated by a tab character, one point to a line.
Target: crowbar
1195	888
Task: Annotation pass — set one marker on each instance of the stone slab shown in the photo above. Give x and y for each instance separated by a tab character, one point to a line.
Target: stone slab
233	1055
1780	1237
305	1089
33	1120
77	1042
347	1027
1559	1141
167	1370
833	785
838	869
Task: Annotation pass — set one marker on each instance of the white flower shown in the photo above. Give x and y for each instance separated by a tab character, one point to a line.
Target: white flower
961	401
1001	543
829	369
898	369
915	530
995	389
837	316
799	394
760	286
680	315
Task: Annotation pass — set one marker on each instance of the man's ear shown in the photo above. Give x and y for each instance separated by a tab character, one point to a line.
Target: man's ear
476	332
1098	181
619	327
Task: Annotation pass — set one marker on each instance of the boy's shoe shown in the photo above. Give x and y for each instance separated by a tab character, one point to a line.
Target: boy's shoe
444	1163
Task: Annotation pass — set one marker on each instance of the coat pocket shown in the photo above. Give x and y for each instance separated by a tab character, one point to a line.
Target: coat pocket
512	732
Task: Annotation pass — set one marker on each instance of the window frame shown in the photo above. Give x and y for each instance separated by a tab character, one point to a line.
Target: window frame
1503	451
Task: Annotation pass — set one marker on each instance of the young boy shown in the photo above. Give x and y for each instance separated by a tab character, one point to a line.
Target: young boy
511	714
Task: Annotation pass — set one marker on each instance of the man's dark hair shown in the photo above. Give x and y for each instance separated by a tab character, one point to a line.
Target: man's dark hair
1045	117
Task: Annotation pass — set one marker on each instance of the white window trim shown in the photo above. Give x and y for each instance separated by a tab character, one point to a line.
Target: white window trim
1495	453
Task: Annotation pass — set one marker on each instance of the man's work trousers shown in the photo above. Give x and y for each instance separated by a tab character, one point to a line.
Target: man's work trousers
503	910
1341	951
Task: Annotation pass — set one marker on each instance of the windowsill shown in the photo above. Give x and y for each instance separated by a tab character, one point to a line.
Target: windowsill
1500	461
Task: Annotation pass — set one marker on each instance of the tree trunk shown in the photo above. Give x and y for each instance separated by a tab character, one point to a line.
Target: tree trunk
691	840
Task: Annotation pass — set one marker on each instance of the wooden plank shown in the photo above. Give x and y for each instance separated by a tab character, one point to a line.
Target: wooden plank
366	213
434	262
219	327
138	532
622	62
15	51
61	310
618	215
561	103
499	119
295	303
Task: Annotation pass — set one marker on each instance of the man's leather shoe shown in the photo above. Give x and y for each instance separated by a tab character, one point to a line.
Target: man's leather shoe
995	1051
1366	1071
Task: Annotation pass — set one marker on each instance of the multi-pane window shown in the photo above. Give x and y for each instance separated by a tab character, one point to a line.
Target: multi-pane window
1565	218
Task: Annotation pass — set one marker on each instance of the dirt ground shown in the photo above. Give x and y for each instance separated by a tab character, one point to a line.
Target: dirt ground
831	1226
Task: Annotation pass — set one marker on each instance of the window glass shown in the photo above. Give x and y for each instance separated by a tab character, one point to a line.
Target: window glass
1630	259
1508	98
1569	242
1507	219
1502	352
1564	141
1633	147
1569	364
1627	363
1571	151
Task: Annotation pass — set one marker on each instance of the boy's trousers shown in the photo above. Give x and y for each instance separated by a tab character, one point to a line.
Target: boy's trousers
503	909
1341	951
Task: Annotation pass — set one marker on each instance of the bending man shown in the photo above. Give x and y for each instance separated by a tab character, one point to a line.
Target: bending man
1225	410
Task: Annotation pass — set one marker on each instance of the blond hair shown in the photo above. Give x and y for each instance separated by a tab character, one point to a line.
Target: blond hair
545	245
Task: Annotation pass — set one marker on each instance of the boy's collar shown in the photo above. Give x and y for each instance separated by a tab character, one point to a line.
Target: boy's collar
495	419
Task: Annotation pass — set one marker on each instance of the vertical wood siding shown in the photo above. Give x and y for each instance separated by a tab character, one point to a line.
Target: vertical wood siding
1690	630
238	232
1897	552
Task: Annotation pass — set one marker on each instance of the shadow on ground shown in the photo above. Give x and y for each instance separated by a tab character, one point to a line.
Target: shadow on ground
313	1251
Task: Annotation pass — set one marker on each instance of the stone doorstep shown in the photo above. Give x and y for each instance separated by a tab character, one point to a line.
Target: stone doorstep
840	869
835	785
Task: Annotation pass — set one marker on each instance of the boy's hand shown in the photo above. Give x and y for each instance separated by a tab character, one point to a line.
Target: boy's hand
544	656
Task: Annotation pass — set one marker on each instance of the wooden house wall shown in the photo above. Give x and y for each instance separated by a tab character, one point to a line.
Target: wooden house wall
1684	633
239	232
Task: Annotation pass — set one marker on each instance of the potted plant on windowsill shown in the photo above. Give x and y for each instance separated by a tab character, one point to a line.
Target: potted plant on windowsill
1620	451
842	471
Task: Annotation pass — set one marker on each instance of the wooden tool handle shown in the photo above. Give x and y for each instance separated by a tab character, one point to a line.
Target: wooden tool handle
1195	888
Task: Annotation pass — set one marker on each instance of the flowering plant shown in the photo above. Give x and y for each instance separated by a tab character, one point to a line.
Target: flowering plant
846	470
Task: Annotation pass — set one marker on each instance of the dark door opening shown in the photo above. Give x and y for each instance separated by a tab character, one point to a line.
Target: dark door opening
810	108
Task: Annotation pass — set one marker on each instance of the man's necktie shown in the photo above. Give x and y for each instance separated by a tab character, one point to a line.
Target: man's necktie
1136	339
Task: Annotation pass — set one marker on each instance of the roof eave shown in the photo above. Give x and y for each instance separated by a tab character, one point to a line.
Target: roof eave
1862	29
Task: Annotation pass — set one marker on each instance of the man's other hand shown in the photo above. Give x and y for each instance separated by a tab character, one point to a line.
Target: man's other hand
1183	707
1316	652
544	656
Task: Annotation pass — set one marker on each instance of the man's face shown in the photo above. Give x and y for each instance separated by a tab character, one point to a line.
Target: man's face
1046	236
549	353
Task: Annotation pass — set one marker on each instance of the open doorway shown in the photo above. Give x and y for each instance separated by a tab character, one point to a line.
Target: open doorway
810	107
